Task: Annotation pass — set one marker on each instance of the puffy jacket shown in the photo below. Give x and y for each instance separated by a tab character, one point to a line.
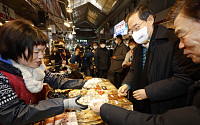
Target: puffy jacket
14	111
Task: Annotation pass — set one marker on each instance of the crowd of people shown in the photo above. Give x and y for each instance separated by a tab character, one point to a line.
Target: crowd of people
167	94
98	60
159	69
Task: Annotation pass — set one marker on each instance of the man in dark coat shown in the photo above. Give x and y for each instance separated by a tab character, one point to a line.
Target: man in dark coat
117	59
158	77
83	58
186	15
102	59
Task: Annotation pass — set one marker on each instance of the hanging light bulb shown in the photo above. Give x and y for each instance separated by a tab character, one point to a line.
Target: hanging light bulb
49	28
66	23
73	32
70	36
69	10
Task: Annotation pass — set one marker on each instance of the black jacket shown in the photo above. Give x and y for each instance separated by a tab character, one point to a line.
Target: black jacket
15	111
189	115
167	73
102	59
114	115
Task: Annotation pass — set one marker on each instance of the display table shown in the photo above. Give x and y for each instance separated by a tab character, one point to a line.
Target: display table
95	89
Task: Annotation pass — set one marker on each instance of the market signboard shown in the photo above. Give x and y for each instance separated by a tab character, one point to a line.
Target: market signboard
120	28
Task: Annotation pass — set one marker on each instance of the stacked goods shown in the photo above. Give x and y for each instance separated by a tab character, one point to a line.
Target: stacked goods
96	90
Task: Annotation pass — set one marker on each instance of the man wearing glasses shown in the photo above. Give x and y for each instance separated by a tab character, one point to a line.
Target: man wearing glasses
158	78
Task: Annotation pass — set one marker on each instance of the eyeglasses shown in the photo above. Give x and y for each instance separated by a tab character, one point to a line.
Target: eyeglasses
135	27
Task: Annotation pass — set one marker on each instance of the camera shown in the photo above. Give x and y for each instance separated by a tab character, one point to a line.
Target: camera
60	48
80	53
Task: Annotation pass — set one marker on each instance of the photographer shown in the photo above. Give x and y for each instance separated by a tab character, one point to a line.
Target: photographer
83	57
60	54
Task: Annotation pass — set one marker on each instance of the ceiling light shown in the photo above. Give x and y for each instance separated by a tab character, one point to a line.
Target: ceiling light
73	32
66	23
6	21
1	23
69	10
49	28
70	36
70	22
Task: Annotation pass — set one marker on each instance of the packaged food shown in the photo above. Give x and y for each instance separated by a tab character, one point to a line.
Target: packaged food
49	121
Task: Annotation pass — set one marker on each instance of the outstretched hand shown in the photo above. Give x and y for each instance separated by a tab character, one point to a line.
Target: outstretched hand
140	94
96	107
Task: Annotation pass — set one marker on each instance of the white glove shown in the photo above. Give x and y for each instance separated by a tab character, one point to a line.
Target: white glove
71	103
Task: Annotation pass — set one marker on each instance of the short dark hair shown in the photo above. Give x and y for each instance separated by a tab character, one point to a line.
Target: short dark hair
119	37
131	41
102	41
143	12
190	8
175	10
95	43
18	35
78	47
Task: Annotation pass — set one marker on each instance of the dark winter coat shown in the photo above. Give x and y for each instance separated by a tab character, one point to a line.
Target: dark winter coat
114	115
189	115
120	53
85	61
102	59
167	73
14	110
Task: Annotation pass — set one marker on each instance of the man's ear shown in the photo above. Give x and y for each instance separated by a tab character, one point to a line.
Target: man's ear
150	19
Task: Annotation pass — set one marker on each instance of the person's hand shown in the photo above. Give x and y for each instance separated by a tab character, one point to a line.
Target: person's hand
77	53
64	53
55	49
140	94
88	77
71	103
128	63
124	66
96	107
122	91
82	55
114	57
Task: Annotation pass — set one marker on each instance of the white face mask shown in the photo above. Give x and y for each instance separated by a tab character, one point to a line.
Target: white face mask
141	35
131	47
95	47
103	45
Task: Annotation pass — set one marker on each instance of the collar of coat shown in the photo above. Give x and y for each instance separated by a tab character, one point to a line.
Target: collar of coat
160	32
9	68
121	44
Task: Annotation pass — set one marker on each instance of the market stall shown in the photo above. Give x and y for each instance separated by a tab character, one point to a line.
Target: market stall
95	89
